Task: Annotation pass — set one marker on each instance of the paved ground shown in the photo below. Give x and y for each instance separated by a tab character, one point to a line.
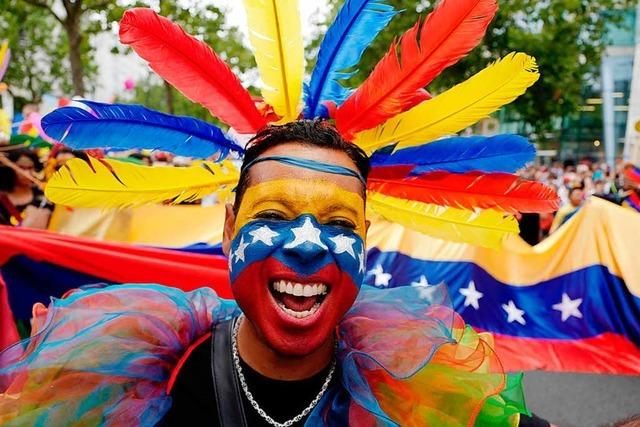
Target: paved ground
579	400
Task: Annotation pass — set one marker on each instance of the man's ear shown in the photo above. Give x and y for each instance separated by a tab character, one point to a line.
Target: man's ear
229	226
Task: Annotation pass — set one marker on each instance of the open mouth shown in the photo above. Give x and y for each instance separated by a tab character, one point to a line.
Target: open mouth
298	300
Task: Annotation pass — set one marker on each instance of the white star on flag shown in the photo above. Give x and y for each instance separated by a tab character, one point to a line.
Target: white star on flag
422	282
239	252
307	233
382	278
263	234
514	314
471	295
362	268
344	244
568	307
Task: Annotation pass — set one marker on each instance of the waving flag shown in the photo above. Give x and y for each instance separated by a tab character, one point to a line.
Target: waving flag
571	303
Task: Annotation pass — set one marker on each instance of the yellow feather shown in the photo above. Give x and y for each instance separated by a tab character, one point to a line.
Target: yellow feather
76	184
276	38
482	228
3	50
458	108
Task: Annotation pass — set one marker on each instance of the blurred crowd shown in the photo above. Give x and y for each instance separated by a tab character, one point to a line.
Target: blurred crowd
574	184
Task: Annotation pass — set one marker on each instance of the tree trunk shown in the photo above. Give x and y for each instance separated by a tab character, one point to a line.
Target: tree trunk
75	55
169	97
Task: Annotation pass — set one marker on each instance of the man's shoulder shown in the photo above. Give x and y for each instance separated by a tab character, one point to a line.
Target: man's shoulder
191	387
195	363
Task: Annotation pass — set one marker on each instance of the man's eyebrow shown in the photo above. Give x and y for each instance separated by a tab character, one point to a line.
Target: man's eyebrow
340	206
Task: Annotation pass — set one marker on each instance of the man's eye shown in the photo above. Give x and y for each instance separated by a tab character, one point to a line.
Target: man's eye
273	215
342	223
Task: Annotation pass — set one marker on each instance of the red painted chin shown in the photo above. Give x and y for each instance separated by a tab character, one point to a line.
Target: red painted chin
283	332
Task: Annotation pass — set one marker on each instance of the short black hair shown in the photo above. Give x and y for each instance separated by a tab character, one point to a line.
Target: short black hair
316	133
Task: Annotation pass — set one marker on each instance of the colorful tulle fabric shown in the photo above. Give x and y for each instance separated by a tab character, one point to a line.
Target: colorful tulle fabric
104	356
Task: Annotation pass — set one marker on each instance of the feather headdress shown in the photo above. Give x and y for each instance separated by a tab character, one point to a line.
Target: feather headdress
454	188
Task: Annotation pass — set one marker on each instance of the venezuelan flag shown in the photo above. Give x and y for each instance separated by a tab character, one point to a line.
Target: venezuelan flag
571	303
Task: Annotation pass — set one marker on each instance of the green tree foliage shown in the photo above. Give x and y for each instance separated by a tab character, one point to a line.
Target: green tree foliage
37	54
565	36
50	43
51	47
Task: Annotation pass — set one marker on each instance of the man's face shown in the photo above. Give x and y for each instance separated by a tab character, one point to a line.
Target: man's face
296	248
576	197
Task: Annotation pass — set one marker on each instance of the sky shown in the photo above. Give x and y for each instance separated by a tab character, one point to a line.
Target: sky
308	10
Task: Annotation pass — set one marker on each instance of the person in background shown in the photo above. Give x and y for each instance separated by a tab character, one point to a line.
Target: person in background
576	197
23	203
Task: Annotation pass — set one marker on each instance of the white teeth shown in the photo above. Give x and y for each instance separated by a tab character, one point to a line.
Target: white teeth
299	289
299	314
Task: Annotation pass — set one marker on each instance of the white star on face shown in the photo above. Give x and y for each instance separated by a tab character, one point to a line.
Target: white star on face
514	314
307	233
422	282
263	234
361	257
568	307
382	278
239	252
344	244
471	295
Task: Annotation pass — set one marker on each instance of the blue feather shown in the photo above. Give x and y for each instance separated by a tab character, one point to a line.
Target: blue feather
86	124
501	153
355	27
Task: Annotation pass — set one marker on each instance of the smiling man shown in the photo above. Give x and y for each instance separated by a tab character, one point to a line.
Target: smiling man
295	241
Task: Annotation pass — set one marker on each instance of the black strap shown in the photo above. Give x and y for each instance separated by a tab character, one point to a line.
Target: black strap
225	382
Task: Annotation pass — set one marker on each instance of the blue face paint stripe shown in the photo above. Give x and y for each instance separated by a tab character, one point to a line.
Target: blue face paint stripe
303	245
309	164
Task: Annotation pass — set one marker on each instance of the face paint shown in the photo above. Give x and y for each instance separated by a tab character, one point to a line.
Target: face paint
297	260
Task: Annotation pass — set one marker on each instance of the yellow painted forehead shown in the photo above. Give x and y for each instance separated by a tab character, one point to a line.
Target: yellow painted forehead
295	197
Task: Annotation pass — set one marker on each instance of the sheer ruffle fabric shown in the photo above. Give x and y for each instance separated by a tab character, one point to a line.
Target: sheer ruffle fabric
103	356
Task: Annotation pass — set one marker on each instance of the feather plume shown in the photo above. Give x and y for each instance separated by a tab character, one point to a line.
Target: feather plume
472	190
103	183
483	228
5	56
355	27
448	34
457	108
191	66
274	33
85	124
500	153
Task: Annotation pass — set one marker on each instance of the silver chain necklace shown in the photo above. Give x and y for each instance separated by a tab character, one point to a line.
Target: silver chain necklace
247	393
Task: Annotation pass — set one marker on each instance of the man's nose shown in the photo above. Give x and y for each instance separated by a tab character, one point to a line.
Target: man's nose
307	245
307	252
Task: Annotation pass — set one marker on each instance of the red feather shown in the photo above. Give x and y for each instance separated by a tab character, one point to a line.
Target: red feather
501	191
448	34
191	66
